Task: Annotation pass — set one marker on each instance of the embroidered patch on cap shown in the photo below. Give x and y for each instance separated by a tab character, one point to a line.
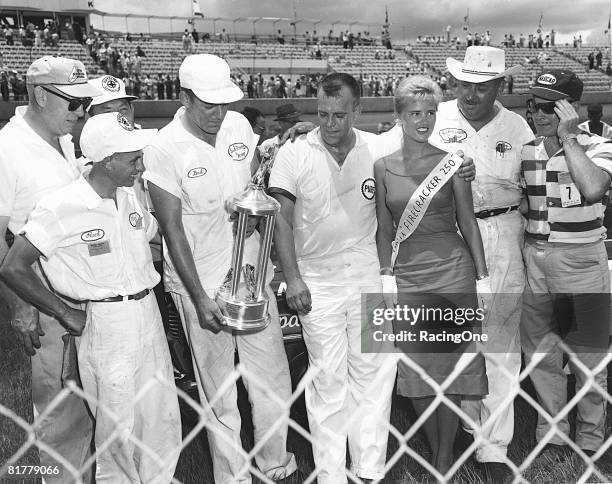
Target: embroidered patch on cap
76	74
547	79
111	84
124	122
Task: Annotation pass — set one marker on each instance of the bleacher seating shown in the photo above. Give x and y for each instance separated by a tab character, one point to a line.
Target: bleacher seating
165	56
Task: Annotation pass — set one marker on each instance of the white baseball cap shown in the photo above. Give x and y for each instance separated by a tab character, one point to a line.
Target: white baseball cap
109	133
208	76
66	75
111	88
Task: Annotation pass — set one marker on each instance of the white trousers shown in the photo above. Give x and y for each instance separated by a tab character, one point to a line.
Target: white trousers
263	355
123	355
502	238
350	397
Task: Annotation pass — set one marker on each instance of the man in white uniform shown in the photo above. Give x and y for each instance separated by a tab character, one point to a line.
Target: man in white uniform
325	239
493	136
93	238
36	158
196	162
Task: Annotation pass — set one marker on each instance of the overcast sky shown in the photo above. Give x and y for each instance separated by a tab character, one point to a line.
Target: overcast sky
414	17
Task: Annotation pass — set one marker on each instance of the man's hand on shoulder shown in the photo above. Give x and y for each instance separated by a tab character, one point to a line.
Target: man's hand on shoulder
303	127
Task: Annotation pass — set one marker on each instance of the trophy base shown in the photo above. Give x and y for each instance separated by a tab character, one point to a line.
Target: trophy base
244	316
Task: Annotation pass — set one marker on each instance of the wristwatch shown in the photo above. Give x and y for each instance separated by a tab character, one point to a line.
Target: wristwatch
568	137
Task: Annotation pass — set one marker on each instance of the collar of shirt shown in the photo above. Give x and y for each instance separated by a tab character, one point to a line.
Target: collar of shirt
33	137
89	196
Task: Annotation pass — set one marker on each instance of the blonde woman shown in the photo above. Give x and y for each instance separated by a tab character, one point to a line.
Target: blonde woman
433	260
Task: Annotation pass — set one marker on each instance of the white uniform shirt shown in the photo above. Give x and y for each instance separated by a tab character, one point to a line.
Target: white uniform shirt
335	208
93	249
30	168
203	177
496	149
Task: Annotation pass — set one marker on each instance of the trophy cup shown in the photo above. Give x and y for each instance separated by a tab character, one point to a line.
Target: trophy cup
244	299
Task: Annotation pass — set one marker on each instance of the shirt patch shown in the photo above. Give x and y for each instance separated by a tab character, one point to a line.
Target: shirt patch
368	188
135	220
98	248
196	172
501	147
92	235
452	135
238	151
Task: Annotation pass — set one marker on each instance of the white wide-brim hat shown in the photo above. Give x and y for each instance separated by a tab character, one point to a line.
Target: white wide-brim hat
481	64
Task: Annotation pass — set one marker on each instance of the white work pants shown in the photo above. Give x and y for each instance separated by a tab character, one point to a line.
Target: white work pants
350	397
502	238
263	355
123	355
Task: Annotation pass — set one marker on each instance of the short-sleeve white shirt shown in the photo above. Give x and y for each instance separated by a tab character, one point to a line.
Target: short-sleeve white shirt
30	168
495	148
335	209
203	177
91	248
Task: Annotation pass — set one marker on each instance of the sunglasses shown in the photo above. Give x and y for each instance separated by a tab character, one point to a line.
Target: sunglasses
546	108
73	102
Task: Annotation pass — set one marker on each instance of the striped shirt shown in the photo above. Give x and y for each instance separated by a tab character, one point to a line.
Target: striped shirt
578	221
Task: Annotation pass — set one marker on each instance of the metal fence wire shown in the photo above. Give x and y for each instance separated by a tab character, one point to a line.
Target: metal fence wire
589	471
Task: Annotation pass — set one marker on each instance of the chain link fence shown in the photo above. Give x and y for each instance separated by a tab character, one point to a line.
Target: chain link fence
588	469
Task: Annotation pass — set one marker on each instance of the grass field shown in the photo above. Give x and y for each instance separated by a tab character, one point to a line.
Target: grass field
194	466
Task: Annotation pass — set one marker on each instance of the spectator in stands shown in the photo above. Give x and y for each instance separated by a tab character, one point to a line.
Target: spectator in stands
9	36
552	37
140	52
594	124
4	85
186	42
568	281
510	83
160	86
609	69
521	40
280	38
54	38
598	58
168	84
194	35
591	58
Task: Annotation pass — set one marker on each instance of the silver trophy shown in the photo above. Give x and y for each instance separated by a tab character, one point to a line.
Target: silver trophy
243	294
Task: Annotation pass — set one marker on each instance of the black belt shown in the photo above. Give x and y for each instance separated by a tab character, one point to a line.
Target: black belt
495	211
135	297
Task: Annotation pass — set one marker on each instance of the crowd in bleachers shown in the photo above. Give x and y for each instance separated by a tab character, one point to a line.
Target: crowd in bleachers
149	66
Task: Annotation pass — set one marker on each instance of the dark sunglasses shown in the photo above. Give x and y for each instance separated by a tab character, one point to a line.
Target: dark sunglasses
73	102
546	108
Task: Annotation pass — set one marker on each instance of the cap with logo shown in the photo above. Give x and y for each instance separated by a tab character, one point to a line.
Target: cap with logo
208	76
111	88
555	84
481	64
109	133
287	112
66	75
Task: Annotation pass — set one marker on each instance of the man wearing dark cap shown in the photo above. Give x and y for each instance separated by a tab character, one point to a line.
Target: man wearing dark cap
594	124
37	157
567	296
287	116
